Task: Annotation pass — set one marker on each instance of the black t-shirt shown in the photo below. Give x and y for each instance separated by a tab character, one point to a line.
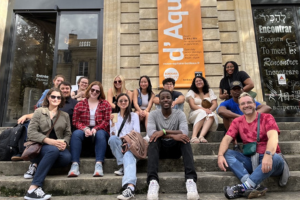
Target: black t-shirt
69	108
175	95
240	76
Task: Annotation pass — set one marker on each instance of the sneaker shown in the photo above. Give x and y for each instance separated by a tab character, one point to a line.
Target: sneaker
192	192
257	192
237	148
74	171
31	171
98	170
17	157
38	193
239	191
153	190
120	172
126	194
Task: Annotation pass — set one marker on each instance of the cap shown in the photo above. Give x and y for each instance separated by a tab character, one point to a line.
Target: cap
236	83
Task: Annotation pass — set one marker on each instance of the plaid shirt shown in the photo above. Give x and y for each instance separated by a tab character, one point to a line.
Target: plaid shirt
81	115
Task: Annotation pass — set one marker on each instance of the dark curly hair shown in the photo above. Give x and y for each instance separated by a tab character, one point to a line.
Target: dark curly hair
205	88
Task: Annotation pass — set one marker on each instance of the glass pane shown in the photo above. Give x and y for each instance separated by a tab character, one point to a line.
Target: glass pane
77	46
278	55
32	63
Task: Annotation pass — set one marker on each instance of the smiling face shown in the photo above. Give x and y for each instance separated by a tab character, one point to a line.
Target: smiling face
54	99
199	83
144	83
94	92
65	90
57	81
123	102
229	68
118	83
246	105
83	84
165	100
169	86
236	92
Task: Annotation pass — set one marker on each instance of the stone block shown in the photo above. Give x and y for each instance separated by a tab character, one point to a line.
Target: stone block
129	28
149	36
149	59
148	3
148	13
149	70
229	37
132	50
130	39
226	16
211	46
132	73
213	69
129	17
210	34
212	57
130	61
132	84
230	48
208	3
149	47
209	23
214	81
236	58
129	7
209	12
227	26
225	5
148	24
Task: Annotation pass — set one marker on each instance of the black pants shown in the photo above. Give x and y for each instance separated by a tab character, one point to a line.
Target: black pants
162	149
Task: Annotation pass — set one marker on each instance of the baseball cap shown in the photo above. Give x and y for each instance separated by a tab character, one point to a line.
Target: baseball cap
236	83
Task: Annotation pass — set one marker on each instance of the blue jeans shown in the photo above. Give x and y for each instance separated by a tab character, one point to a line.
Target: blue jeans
241	166
49	157
128	160
77	138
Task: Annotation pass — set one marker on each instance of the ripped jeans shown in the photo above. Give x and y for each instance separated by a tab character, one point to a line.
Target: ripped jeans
241	166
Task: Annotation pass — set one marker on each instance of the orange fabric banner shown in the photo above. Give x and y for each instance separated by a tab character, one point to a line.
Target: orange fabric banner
180	41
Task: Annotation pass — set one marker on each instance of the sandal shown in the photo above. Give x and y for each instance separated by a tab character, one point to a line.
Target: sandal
195	140
202	139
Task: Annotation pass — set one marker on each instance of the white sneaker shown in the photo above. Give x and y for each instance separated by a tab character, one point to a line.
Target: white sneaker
153	190
30	172
120	172
192	192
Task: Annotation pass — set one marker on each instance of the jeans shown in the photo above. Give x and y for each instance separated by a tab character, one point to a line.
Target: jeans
77	138
128	160
241	166
49	157
162	149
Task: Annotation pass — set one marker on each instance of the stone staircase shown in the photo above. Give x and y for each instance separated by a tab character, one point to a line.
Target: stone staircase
210	178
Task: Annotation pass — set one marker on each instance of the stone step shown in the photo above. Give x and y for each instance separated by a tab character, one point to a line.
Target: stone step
170	183
203	163
177	196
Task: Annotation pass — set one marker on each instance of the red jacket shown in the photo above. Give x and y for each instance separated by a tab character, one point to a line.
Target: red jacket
81	115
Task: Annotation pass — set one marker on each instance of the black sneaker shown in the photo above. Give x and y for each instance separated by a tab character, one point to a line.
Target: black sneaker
233	192
38	193
237	148
257	192
126	194
31	171
17	157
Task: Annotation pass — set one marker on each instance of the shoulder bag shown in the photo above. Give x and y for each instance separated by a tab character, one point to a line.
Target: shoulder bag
250	148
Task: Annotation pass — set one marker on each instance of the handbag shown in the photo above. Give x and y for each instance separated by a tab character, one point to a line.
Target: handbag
33	148
252	94
250	148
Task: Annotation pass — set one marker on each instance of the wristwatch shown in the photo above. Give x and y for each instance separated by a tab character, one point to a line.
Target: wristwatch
269	153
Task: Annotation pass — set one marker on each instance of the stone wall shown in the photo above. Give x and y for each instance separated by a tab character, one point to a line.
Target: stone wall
3	15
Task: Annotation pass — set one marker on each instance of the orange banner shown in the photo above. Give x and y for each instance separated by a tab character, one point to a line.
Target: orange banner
180	41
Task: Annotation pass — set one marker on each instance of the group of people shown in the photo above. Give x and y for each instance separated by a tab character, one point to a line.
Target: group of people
86	115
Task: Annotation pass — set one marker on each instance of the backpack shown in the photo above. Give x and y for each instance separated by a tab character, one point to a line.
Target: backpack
12	142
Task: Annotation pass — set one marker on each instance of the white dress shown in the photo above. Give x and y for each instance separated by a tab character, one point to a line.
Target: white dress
197	115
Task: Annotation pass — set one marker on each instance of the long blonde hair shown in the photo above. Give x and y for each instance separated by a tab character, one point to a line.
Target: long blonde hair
123	88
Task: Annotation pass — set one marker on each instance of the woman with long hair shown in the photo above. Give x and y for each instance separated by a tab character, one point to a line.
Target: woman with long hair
143	99
232	73
91	118
53	152
203	103
83	83
118	88
127	161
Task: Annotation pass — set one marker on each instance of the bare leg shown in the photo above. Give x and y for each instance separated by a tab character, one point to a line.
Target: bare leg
197	128
206	126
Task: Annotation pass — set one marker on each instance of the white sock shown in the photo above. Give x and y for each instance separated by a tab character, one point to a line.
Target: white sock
131	187
30	191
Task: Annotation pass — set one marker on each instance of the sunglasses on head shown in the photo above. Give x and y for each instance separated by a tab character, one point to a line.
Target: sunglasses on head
97	91
119	81
57	97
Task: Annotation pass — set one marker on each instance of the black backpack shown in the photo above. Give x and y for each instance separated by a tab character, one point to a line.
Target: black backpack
12	142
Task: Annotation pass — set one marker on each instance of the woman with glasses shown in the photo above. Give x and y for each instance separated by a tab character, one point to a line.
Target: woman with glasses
232	73
118	88
91	118
53	152
143	99
83	83
127	161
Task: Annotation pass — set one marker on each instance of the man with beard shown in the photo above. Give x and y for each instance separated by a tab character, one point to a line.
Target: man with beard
268	157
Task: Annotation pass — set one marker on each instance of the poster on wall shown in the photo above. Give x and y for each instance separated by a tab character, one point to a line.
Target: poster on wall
180	41
278	55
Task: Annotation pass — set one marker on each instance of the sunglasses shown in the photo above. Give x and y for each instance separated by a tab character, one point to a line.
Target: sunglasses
121	101
55	97
119	81
97	91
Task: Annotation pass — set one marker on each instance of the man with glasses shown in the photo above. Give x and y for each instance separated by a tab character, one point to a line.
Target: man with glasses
229	110
266	161
177	97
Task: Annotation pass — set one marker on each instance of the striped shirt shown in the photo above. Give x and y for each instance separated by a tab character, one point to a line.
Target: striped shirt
176	121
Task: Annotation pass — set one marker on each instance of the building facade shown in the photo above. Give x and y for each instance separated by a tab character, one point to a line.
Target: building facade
101	39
